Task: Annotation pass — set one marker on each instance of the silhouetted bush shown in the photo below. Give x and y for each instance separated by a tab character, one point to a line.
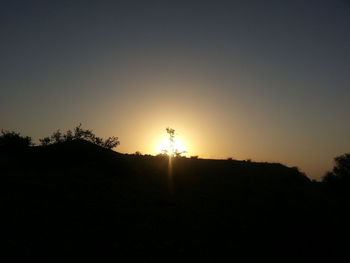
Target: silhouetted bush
45	141
68	136
162	155
340	172
79	133
109	143
13	140
57	137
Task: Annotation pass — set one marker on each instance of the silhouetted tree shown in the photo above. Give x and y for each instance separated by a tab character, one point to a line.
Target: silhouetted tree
45	141
57	137
68	136
13	140
178	153
80	133
171	133
110	142
340	172
172	151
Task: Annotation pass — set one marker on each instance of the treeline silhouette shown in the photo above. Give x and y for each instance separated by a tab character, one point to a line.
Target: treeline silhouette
74	196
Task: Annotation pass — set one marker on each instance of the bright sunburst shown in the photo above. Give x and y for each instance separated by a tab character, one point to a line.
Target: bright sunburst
165	145
171	145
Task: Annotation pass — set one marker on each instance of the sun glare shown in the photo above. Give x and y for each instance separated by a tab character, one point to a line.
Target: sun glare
165	145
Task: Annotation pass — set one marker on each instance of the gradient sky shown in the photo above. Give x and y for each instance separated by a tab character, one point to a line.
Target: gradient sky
265	80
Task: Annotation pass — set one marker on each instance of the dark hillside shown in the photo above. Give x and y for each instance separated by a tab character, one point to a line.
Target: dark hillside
76	198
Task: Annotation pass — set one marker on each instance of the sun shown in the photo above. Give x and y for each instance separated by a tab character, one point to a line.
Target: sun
164	145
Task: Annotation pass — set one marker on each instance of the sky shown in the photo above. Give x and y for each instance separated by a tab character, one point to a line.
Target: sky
260	80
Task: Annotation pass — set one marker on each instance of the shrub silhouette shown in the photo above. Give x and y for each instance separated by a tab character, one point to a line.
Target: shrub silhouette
13	140
45	141
340	172
57	136
82	134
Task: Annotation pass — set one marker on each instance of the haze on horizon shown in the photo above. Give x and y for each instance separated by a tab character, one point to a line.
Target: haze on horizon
265	80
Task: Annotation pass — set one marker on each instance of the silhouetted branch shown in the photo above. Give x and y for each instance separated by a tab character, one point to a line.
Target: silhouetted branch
80	133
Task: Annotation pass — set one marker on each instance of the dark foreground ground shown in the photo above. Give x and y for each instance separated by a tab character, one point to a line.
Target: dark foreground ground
77	199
